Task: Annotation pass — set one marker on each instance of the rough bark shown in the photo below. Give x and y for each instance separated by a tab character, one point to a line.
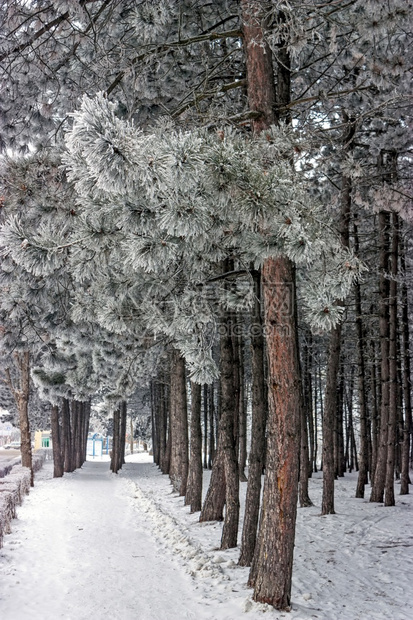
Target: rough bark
242	458
178	471
21	396
227	439
389	499
271	571
205	399
211	412
123	418
56	442
213	506
377	492
306	413
193	496
363	452
333	363
374	411
67	436
407	384
258	423
329	416
114	462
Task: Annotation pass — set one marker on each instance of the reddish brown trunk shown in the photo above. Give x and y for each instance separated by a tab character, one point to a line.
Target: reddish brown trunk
178	470
389	499
256	456
407	384
227	440
21	396
56	442
114	462
193	496
377	492
271	571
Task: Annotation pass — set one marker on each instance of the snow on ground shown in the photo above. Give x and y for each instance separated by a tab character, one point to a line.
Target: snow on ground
96	545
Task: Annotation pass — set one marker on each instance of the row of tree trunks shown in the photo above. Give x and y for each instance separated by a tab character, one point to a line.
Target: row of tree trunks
69	435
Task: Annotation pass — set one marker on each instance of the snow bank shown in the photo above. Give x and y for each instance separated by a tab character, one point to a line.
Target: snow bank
13	487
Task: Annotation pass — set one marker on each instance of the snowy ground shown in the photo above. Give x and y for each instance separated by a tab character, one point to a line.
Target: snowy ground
94	545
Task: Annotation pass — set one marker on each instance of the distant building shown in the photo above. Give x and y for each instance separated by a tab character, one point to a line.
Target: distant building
42	439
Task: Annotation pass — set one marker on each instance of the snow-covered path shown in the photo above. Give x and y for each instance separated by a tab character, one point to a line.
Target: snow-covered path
96	546
80	550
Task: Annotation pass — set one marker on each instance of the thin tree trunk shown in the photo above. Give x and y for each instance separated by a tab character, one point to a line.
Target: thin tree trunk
329	418
227	438
255	461
193	496
154	390
178	471
389	499
205	399
114	463
374	411
56	443
377	492
308	399
242	412
407	384
21	395
213	507
333	364
211	410
363	453
123	419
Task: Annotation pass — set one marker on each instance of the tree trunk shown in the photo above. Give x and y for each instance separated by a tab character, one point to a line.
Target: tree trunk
242	458
211	410
193	496
255	461
114	462
213	507
227	438
56	443
374	411
329	417
333	364
389	499
21	395
178	471
67	436
271	571
407	384
123	418
308	399
363	453
377	492
205	426
155	407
